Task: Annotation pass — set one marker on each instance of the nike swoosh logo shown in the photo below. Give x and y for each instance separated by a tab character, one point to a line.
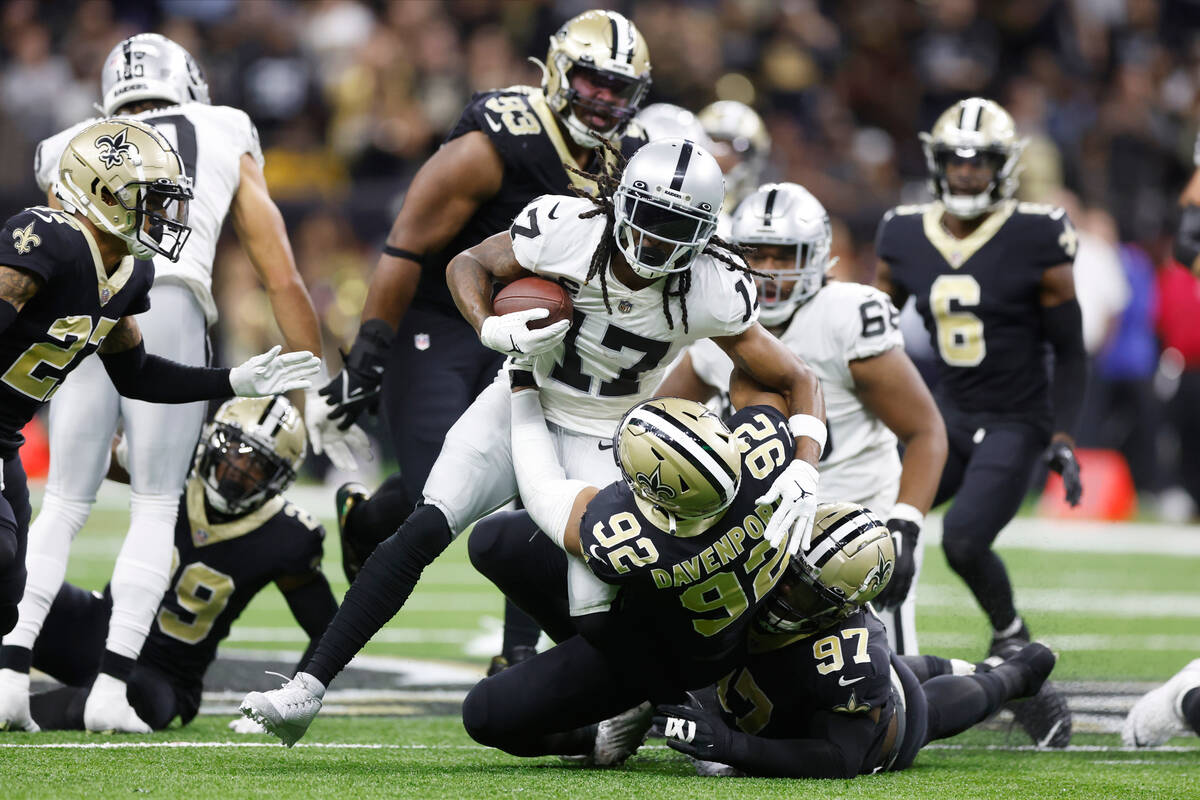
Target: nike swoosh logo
593	552
492	123
843	682
552	215
604	445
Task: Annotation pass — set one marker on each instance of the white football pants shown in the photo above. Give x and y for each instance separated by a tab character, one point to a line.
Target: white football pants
162	441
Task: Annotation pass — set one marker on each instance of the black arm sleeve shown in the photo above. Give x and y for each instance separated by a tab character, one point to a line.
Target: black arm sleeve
142	376
1063	324
314	607
1187	238
8	315
839	755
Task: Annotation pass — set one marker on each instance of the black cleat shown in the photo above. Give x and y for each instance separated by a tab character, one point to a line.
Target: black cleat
349	495
518	654
1044	715
1007	646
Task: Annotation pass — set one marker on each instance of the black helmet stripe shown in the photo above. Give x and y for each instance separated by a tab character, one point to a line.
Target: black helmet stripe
612	25
658	412
273	412
685	157
970	117
769	209
844	531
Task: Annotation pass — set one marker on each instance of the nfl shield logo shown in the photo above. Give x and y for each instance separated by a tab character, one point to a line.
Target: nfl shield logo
201	535
625	306
105	295
421	341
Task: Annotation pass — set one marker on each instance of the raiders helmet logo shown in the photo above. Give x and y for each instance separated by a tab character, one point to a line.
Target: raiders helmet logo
114	149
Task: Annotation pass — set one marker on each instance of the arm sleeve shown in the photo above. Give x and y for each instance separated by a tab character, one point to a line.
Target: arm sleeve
1187	238
141	376
839	754
314	607
1063	324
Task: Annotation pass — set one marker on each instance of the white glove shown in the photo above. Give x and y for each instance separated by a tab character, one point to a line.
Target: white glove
508	333
796	491
325	436
271	373
246	725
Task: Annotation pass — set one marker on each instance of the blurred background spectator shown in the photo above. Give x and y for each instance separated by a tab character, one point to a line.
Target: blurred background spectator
351	96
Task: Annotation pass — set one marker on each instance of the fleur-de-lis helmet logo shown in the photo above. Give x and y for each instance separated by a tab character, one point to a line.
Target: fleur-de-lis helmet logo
653	484
114	149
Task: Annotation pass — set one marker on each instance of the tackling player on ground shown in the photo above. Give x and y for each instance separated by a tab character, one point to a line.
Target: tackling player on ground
152	79
71	282
873	394
236	534
646	280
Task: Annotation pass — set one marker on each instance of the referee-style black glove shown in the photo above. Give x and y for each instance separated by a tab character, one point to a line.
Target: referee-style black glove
1060	457
356	388
695	732
904	539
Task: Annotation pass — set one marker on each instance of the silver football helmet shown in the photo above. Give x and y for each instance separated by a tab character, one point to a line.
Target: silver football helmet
669	121
739	136
969	129
250	452
150	66
666	206
787	215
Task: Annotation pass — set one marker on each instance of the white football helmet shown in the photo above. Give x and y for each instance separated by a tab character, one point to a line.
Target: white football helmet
786	214
150	66
666	206
973	128
737	130
669	121
250	452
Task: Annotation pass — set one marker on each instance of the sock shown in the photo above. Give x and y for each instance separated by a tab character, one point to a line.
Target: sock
142	572
59	709
520	629
18	659
50	538
116	665
1191	708
380	590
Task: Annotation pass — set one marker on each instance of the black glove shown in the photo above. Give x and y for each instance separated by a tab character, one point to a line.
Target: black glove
904	538
356	388
1060	457
695	732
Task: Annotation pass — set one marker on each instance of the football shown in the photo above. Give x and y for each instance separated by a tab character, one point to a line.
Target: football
534	293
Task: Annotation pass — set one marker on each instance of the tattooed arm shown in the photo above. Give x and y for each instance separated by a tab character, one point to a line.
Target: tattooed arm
17	287
125	335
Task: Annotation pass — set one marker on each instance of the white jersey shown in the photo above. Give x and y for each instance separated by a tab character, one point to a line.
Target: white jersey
211	141
841	323
611	361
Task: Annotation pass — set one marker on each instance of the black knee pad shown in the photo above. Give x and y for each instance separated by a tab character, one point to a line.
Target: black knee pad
962	551
499	538
8	617
475	715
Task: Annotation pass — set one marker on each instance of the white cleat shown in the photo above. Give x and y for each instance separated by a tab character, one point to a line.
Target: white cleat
1158	715
246	725
620	737
107	709
288	711
14	702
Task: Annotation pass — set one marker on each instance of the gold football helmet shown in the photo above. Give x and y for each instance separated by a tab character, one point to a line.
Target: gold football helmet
970	129
740	143
848	562
680	460
606	50
250	452
125	177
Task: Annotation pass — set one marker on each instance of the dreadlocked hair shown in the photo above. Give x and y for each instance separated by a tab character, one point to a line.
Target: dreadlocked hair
607	179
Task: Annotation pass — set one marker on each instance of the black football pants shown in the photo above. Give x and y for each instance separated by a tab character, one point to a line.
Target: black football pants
14	538
988	476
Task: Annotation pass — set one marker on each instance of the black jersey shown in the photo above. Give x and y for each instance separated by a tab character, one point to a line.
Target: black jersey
980	299
217	570
531	146
75	307
788	685
695	595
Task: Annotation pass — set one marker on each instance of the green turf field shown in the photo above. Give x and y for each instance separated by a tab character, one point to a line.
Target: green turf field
1114	617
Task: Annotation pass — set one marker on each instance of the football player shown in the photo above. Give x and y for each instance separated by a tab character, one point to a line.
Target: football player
70	282
992	278
236	534
509	146
873	394
152	79
741	144
646	281
1172	709
668	121
819	693
662	572
1187	238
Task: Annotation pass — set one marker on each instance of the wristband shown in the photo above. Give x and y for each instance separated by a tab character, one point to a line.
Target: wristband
908	513
810	426
408	255
521	379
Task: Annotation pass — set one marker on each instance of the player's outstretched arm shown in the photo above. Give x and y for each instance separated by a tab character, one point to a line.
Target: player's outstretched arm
448	189
17	287
889	386
683	381
142	376
765	359
1062	322
885	284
